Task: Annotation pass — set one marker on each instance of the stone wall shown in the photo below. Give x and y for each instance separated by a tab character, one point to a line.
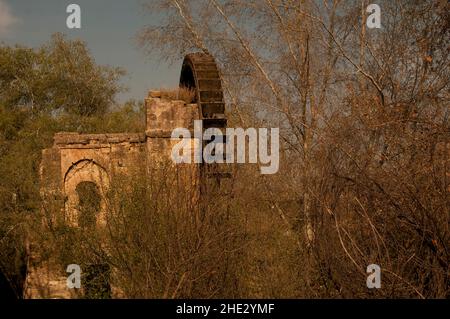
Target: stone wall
99	158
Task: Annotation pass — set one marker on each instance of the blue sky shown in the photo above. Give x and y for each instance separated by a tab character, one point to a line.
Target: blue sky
109	28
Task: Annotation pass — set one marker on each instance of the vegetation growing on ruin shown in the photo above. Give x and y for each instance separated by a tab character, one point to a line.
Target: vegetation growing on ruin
364	174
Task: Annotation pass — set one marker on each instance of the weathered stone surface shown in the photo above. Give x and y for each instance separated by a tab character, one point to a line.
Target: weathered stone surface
70	139
165	116
154	94
98	158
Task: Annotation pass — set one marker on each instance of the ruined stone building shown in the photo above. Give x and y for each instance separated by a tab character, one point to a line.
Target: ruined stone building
76	158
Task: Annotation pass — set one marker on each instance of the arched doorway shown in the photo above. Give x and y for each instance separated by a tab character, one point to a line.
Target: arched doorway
85	186
89	204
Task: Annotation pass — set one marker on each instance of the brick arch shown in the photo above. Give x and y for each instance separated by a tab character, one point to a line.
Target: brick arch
85	170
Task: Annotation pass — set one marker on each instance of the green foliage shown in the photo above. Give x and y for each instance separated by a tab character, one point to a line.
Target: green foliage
57	87
60	76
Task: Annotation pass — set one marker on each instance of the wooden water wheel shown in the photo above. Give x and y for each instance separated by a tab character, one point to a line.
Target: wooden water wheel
200	73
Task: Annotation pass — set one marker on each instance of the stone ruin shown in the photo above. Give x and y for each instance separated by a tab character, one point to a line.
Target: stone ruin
97	158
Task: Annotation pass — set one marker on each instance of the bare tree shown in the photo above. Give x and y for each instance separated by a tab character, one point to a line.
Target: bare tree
364	120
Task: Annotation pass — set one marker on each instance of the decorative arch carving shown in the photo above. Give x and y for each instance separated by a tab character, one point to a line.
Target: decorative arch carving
85	170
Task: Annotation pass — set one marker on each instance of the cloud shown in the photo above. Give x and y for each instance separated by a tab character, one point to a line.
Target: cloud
7	18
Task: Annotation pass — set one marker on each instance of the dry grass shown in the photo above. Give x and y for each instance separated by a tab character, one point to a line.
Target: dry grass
183	94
